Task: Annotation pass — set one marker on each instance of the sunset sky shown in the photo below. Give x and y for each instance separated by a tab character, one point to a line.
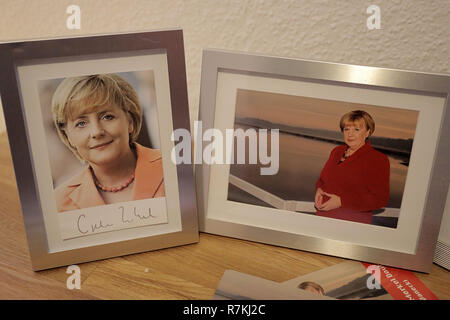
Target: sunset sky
321	114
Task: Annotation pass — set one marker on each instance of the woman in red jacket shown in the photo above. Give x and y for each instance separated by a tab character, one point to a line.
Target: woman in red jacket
355	179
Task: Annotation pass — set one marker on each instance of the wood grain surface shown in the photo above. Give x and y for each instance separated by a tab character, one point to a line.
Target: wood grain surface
185	272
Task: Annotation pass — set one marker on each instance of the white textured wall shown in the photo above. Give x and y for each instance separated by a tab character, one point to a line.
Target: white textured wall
414	34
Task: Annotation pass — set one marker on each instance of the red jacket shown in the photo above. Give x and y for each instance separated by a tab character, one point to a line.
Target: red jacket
361	181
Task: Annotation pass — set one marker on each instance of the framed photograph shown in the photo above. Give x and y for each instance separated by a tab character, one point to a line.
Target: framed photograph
338	159
90	123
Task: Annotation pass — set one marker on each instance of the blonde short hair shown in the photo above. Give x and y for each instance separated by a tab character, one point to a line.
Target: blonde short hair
76	95
358	115
310	284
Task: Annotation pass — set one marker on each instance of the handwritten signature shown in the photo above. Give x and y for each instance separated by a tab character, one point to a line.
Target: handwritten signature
136	214
85	226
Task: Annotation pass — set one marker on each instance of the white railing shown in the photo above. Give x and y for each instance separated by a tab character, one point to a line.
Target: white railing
290	205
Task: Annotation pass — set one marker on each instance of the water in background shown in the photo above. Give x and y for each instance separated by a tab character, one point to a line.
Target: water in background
301	161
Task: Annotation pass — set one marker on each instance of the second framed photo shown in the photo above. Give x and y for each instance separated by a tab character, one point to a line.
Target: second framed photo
90	122
338	159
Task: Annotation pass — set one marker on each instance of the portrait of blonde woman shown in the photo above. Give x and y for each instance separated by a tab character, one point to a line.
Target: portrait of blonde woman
98	118
355	180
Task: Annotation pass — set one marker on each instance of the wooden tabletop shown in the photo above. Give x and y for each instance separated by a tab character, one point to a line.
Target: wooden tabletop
185	272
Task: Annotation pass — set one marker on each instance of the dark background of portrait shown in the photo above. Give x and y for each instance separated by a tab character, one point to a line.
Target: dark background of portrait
309	130
63	163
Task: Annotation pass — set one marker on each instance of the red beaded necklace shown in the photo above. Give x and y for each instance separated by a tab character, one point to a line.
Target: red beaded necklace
112	189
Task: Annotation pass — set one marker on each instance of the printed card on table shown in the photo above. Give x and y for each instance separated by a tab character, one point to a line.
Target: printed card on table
354	280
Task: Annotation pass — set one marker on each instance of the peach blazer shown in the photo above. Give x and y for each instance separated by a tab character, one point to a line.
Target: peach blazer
80	191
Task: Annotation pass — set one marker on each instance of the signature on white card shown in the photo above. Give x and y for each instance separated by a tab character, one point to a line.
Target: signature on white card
127	216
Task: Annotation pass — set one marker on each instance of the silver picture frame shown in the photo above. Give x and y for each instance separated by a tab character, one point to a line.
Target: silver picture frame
126	51
215	219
